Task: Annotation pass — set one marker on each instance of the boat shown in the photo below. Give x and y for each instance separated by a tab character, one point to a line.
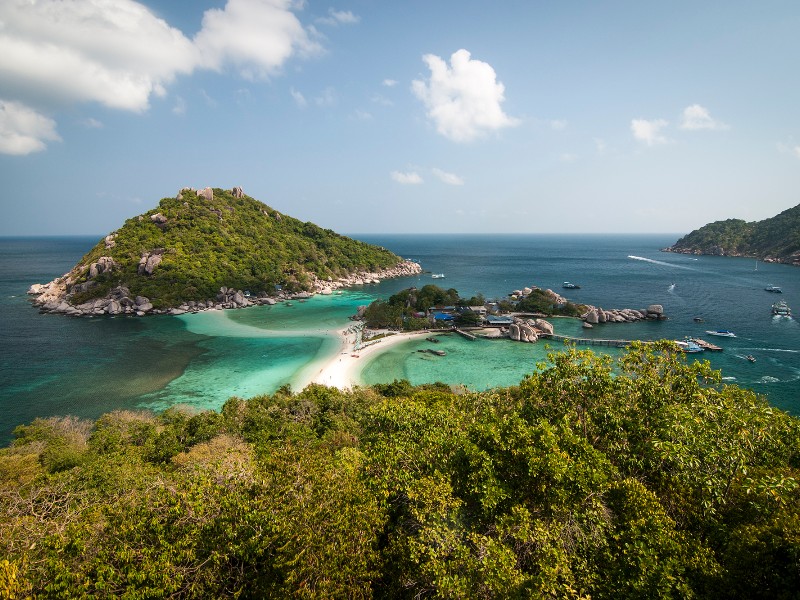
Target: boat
774	289
751	358
688	346
781	309
586	325
570	286
438	275
698	319
721	333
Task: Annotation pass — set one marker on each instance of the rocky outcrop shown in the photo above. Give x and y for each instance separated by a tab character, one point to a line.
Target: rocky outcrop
159	219
595	315
149	261
237	192
56	296
529	330
206	194
104	264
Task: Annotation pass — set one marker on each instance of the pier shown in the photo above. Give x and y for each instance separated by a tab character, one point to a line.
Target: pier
463	333
707	345
587	341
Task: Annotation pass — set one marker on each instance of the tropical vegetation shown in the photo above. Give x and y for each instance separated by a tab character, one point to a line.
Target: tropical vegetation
776	238
640	478
229	240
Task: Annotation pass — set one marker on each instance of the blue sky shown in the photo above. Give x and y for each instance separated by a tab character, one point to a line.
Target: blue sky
368	116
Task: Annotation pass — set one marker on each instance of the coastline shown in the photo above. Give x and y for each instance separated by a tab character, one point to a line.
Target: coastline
343	369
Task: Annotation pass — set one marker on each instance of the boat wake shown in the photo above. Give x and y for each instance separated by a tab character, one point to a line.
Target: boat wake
660	262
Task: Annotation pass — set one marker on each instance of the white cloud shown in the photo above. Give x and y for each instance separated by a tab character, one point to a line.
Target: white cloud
697	117
91	123
448	178
558	124
463	100
410	178
255	36
649	132
326	98
179	108
389	82
299	99
115	52
23	130
336	17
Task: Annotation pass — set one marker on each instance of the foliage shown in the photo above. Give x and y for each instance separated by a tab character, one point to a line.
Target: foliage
776	237
539	301
640	478
234	242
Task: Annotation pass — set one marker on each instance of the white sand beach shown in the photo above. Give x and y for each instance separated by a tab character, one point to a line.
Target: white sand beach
343	370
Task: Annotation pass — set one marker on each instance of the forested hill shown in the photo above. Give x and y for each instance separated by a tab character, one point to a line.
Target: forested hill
194	243
776	239
640	479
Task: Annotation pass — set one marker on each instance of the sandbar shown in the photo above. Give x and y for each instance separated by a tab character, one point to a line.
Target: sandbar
343	370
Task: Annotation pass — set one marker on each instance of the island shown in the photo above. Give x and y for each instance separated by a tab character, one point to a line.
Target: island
212	248
776	239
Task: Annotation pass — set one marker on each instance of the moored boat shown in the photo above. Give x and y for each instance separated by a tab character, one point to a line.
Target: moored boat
570	286
774	289
688	346
438	276
721	333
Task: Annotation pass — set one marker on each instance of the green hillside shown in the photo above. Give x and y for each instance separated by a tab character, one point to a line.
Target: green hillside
196	245
640	479
776	238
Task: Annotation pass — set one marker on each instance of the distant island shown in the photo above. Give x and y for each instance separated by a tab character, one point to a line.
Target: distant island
212	248
776	239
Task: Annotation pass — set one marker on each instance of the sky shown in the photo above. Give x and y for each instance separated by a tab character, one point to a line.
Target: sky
368	116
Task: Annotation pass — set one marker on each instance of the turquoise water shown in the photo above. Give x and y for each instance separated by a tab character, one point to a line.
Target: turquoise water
54	365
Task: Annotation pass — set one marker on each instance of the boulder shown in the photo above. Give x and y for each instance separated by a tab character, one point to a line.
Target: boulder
149	262
237	192
544	326
158	219
655	309
591	317
206	194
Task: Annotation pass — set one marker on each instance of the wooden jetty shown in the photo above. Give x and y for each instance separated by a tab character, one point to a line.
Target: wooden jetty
587	341
706	345
461	332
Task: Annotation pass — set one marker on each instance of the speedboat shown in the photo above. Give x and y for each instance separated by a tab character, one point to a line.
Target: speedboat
570	286
751	358
688	346
781	309
438	276
721	333
774	289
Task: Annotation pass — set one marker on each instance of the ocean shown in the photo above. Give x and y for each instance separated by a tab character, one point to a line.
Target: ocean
55	365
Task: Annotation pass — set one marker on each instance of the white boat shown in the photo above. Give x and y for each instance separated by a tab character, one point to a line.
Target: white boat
688	347
774	289
781	309
721	333
438	275
570	286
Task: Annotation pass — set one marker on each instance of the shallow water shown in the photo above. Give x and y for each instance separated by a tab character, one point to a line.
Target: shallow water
54	365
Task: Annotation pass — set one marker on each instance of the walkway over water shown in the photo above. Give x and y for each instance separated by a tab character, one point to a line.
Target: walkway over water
588	341
469	336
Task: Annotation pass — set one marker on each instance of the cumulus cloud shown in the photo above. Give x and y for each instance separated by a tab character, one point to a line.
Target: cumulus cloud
448	178
409	178
463	100
389	82
23	130
697	117
115	52
649	132
118	53
254	36
339	17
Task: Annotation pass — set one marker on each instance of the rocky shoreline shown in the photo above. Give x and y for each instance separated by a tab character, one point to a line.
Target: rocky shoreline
793	259
55	296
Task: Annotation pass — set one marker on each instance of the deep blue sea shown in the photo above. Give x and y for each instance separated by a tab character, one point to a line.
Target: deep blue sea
54	365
